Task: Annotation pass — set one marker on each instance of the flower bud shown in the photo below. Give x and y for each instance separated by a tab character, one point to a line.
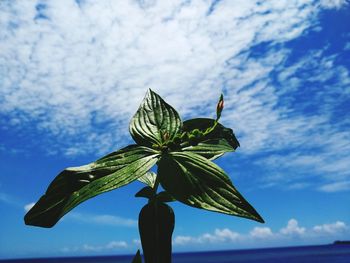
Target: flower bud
220	107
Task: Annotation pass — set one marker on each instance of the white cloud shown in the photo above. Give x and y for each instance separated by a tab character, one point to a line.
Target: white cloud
5	198
184	240
293	228
328	162
109	220
333	3
334	228
219	236
91	63
111	246
261	232
292	231
113	220
29	206
116	245
226	234
298	186
335	187
9	199
77	72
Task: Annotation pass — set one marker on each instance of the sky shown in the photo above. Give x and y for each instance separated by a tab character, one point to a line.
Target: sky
72	74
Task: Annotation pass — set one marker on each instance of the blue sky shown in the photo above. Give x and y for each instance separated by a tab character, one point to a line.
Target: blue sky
72	74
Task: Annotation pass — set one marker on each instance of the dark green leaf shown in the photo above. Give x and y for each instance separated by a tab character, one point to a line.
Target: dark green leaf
146	192
210	149
214	144
77	184
137	258
165	197
155	121
148	178
198	182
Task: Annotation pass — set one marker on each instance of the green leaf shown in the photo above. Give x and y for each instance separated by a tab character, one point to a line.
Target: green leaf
146	192
137	258
198	182
165	197
148	178
154	122
214	144
210	149
77	184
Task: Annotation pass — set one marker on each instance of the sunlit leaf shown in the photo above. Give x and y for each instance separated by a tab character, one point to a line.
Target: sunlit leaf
148	178
155	121
210	149
77	184
198	182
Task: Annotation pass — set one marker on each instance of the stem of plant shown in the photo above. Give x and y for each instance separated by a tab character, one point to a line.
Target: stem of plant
156	184
156	229
156	225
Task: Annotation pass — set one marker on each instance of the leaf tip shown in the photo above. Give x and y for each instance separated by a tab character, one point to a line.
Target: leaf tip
260	219
137	258
149	91
30	221
254	215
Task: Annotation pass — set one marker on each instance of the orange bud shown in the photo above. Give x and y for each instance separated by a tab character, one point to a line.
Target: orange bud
220	107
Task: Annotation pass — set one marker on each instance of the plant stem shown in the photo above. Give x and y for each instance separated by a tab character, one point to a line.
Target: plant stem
186	143
156	225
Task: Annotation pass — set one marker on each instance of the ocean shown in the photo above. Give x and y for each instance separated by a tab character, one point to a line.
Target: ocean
305	254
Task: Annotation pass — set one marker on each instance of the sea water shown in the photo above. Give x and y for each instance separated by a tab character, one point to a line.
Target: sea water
305	254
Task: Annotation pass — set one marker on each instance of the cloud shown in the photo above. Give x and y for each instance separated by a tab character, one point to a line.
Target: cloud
292	228
116	245
111	246
261	232
219	236
10	199
226	236
329	167
70	76
333	3
76	71
109	220
29	206
5	198
334	228
286	234
184	240
335	187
